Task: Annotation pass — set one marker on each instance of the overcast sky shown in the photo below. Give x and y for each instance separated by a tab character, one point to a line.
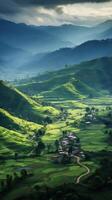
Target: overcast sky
54	12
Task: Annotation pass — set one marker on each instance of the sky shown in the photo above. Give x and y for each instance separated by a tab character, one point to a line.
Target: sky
56	12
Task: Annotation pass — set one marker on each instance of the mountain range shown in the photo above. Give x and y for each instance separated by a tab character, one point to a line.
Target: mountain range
26	49
69	56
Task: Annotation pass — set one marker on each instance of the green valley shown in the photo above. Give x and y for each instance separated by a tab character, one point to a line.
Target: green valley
56	100
20	139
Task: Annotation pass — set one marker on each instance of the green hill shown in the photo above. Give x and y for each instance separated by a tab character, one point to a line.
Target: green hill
73	89
12	141
92	78
14	123
22	106
97	74
20	116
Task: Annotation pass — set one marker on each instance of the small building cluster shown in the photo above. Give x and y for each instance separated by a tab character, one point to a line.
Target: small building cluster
69	147
90	116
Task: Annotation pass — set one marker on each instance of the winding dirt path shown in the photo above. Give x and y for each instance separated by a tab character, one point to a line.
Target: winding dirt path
85	167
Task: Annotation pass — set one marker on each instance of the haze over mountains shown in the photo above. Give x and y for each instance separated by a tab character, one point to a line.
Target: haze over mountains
66	56
26	49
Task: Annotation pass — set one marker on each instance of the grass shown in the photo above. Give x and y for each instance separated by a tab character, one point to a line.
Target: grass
22	106
44	172
92	139
11	122
54	131
13	141
107	100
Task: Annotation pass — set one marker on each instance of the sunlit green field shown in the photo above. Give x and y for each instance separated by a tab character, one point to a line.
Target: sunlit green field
44	173
43	170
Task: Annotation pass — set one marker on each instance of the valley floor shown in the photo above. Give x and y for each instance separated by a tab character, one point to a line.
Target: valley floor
42	170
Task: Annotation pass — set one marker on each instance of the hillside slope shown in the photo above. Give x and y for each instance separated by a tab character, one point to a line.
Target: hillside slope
22	106
14	123
92	78
12	142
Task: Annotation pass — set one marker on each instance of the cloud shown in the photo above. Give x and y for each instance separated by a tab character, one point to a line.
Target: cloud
15	6
50	12
8	7
52	3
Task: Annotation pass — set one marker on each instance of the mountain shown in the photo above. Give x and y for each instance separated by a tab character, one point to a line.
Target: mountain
106	34
96	32
26	49
68	32
11	59
105	30
67	56
7	51
31	38
103	26
22	106
92	78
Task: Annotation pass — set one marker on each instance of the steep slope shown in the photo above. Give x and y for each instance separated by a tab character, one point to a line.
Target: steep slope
90	78
14	134
22	106
57	59
14	123
12	142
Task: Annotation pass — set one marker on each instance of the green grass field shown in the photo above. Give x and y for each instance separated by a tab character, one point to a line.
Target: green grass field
44	173
43	170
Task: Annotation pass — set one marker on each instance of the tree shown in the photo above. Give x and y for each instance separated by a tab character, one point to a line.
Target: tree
56	144
16	155
49	148
70	150
88	109
8	180
41	132
23	173
40	147
48	120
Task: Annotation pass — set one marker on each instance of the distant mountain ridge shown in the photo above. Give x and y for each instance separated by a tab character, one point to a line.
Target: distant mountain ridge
31	38
26	49
69	56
